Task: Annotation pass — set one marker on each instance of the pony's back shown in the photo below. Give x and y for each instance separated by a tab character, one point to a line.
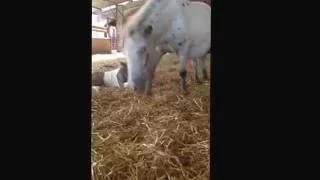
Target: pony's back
198	15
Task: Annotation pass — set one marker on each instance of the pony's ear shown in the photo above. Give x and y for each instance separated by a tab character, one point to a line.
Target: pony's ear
147	30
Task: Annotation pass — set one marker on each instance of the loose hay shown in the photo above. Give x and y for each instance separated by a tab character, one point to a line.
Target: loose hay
165	136
103	66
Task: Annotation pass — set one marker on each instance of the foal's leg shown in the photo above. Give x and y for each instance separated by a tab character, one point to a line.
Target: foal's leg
195	70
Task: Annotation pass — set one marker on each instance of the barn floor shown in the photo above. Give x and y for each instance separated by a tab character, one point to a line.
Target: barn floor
165	136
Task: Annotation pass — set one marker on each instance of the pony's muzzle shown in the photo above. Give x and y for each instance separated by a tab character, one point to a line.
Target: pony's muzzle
139	85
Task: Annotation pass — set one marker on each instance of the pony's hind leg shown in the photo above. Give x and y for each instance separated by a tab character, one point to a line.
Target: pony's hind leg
204	72
203	67
195	70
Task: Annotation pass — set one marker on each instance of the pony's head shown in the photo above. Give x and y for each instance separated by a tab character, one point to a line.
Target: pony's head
142	57
141	34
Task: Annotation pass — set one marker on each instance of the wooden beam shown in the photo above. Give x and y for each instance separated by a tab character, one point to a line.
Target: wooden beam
99	30
125	9
117	1
119	12
97	27
133	5
108	3
128	6
96	7
114	2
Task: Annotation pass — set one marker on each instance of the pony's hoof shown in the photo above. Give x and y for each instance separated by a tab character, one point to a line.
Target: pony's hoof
148	93
185	92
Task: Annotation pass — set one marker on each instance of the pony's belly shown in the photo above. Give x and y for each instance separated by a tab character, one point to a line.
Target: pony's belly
199	51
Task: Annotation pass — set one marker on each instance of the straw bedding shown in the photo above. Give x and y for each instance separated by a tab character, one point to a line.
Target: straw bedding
165	136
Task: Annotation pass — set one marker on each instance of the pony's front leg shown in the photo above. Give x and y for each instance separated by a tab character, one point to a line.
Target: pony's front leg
148	87
183	73
150	79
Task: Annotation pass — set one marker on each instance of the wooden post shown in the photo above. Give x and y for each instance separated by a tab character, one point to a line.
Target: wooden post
119	18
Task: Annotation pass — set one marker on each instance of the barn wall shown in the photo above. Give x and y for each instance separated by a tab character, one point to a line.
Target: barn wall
101	46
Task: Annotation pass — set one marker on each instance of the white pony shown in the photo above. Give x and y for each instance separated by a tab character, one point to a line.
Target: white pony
161	25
